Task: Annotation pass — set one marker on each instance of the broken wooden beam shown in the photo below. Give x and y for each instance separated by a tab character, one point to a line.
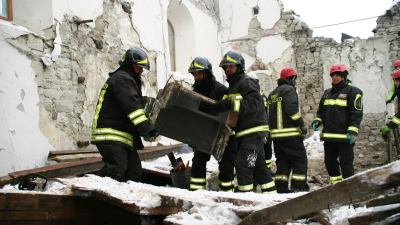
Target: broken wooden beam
385	200
373	216
79	167
41	208
357	188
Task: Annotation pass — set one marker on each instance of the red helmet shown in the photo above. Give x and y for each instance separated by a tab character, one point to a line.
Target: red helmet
396	63
335	68
396	74
288	72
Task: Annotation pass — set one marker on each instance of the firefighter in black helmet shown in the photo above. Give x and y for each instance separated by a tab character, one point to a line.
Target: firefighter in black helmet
250	132
119	119
206	85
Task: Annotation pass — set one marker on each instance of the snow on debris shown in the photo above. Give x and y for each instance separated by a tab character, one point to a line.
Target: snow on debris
314	146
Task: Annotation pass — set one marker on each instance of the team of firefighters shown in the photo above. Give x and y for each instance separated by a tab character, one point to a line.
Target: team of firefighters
120	122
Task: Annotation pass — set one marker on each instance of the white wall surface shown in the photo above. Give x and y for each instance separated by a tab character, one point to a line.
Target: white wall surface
85	10
22	143
269	14
35	15
271	48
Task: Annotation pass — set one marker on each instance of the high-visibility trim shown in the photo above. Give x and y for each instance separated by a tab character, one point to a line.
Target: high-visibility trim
226	184
318	119
236	105
106	131
230	59
279	115
111	137
284	130
333	135
197	187
139	120
262	128
99	105
268	163
353	128
197	180
299	177
248	187
290	134
338	102
336	179
295	116
196	65
392	92
136	114
358	98
396	120
281	177
143	62
268	185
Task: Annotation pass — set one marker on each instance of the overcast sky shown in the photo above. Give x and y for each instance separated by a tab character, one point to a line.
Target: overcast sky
323	12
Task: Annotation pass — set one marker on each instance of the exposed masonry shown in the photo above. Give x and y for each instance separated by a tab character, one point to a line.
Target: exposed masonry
309	56
68	89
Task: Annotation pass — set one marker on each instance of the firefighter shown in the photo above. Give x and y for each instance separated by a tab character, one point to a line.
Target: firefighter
395	120
287	131
392	89
206	84
340	112
250	132
120	120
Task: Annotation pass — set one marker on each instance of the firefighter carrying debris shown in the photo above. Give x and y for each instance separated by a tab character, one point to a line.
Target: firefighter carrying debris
120	120
206	84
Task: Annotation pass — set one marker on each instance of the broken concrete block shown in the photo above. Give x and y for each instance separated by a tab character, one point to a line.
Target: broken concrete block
177	116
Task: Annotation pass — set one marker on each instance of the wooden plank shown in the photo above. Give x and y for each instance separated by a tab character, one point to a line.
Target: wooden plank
373	217
73	157
168	206
355	189
79	167
386	200
69	152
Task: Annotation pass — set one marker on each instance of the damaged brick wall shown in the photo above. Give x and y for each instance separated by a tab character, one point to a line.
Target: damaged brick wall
68	87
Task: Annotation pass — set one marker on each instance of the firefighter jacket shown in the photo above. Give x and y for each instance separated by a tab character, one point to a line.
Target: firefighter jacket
340	111
247	101
119	114
284	116
210	88
395	121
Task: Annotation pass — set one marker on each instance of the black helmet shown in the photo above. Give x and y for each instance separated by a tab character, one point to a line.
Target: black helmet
232	58
135	56
199	64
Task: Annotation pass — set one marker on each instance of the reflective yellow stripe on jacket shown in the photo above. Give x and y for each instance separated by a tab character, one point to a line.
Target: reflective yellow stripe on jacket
338	102
109	134
262	128
285	132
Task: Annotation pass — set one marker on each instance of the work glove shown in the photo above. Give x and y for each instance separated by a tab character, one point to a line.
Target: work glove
151	135
385	130
351	136
303	130
315	124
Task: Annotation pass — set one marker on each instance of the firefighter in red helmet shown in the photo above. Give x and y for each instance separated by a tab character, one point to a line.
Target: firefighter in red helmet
392	89
395	120
287	131
340	112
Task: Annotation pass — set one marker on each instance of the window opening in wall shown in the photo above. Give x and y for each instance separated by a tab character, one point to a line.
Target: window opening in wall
171	42
6	9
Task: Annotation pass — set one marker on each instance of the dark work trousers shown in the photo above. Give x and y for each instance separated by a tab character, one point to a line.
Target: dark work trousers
226	166
343	152
291	157
268	153
122	163
250	163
